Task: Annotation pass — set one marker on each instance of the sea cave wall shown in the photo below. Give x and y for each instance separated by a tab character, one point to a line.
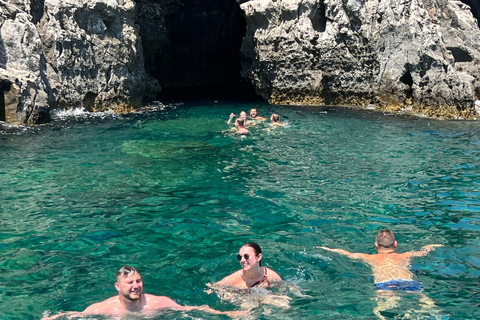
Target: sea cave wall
67	54
420	56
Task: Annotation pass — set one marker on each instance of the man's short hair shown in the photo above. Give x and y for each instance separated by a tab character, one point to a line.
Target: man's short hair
124	271
385	239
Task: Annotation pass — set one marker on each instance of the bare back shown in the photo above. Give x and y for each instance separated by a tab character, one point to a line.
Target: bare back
386	264
389	266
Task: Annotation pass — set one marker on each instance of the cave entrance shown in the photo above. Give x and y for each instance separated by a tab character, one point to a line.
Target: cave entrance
226	91
196	54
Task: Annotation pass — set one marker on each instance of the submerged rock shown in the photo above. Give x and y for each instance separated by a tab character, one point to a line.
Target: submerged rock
420	56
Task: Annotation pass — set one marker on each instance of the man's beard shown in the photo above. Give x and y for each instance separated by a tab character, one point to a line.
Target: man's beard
134	298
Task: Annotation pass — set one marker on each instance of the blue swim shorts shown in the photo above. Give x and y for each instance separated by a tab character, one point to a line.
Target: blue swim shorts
398	284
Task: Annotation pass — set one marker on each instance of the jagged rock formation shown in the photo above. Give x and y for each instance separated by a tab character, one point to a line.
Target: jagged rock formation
474	8
69	53
417	55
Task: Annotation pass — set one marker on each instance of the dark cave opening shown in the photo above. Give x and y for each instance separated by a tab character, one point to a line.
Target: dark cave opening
408	80
192	48
227	91
3	116
4	86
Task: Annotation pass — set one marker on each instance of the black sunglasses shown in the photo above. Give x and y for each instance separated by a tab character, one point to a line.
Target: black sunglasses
246	256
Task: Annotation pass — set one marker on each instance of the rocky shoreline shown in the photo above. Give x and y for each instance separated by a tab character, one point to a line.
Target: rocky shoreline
412	56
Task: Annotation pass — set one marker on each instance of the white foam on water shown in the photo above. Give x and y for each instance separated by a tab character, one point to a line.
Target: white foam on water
80	113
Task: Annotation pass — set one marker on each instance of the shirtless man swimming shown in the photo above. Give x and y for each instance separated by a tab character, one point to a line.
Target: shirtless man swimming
390	269
131	299
255	116
391	272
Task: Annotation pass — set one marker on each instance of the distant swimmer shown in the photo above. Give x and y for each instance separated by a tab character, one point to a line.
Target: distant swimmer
390	269
275	120
243	115
239	124
252	273
255	116
131	299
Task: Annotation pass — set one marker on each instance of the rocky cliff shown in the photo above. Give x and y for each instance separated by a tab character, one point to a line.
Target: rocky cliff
69	53
420	56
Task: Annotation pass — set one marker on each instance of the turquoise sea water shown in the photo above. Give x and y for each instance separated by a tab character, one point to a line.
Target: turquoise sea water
170	193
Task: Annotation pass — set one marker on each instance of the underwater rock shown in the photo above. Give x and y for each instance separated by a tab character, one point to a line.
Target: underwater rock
419	56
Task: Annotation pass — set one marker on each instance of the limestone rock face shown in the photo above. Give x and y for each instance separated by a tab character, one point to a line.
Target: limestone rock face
94	54
26	95
69	53
415	55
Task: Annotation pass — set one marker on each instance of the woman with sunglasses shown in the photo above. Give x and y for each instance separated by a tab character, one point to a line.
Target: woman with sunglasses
252	273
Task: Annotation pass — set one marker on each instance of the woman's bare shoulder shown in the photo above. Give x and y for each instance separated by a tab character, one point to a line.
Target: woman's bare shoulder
234	279
272	275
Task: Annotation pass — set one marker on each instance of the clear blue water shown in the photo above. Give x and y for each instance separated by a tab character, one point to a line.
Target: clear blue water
169	193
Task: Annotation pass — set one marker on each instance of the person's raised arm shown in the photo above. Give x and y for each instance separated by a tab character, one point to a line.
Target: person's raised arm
231	117
425	250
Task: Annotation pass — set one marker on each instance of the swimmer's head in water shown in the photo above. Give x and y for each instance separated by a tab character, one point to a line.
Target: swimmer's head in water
275	117
123	272
385	239
255	248
253	113
240	122
128	284
243	115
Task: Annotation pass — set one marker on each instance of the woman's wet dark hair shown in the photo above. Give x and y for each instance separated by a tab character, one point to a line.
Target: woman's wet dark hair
256	248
